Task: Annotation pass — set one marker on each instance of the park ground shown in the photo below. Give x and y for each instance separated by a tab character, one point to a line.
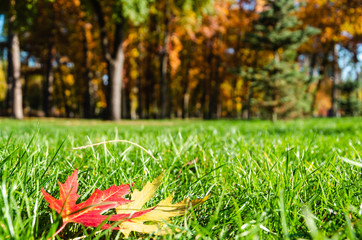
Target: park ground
290	179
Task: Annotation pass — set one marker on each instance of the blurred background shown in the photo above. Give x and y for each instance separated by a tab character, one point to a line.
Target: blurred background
142	59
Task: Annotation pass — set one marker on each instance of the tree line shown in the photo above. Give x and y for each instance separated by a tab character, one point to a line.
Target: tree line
209	59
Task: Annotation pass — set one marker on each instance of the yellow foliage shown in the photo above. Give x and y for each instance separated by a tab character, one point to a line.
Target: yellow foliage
134	53
239	106
159	216
67	92
69	80
134	73
3	85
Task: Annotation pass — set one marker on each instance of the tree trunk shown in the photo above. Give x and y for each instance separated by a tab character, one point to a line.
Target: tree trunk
213	102
115	83
139	86
116	75
247	111
149	68
126	106
186	84
336	80
9	92
274	115
164	65
186	103
14	66
49	79
312	65
49	72
322	75
139	98
64	88
204	95
115	62
86	77
208	82
164	84
26	81
149	76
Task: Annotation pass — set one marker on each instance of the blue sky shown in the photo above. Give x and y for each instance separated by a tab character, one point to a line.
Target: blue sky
349	70
2	20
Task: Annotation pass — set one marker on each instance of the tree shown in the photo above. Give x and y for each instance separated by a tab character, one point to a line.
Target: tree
17	13
14	65
275	32
124	13
170	12
339	24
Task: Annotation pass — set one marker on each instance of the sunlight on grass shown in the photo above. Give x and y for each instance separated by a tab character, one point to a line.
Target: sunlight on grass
294	179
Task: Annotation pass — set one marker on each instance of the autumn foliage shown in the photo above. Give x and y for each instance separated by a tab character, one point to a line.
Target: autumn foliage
129	215
134	59
89	212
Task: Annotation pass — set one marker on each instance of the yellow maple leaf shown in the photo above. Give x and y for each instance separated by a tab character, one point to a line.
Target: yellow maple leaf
156	220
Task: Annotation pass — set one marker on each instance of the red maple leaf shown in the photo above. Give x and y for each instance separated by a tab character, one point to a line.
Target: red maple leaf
89	212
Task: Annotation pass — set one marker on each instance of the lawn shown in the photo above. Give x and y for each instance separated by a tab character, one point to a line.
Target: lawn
288	180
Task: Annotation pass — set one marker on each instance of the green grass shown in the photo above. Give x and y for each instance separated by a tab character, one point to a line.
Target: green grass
272	181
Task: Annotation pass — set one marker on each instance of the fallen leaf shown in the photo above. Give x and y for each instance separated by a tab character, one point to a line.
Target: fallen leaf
89	212
154	221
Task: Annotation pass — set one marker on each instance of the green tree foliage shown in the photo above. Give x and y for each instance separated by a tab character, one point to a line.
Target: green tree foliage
282	84
349	102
